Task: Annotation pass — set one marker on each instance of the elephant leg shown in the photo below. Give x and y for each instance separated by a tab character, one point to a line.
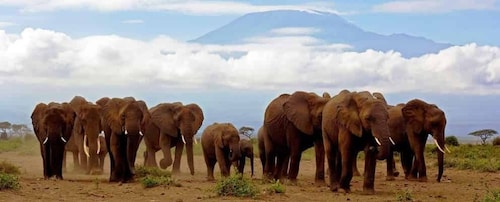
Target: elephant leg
270	159
369	174
64	161
58	154
116	157
319	150
222	160
419	156
165	142
150	158
281	163
347	154
210	162
179	148
355	171
390	167
45	150
286	165
295	157
241	164
331	154
406	162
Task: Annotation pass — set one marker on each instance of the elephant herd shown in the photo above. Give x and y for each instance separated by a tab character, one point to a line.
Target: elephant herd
338	127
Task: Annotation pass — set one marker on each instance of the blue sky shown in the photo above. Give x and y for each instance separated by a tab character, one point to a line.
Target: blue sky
51	50
184	20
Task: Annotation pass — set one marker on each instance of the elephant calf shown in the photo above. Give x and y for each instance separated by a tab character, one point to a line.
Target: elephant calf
246	150
221	144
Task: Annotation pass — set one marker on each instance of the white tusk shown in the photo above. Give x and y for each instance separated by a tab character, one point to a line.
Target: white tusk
195	141
85	147
98	145
440	149
126	132
140	133
183	140
445	147
46	139
101	134
392	141
62	138
378	142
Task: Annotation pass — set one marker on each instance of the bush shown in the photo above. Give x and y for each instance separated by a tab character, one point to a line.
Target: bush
9	181
451	140
492	196
276	187
142	171
404	196
152	177
484	158
8	168
236	185
496	141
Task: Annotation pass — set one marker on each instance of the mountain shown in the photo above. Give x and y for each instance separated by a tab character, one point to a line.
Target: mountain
327	27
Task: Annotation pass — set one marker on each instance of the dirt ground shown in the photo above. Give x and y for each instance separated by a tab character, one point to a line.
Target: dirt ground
457	185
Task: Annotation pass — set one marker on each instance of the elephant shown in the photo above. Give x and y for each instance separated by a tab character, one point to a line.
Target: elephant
85	134
354	121
292	124
172	125
52	124
261	136
124	121
103	151
71	147
246	150
221	144
410	125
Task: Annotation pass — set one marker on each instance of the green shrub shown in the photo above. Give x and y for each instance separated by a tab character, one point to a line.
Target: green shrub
492	196
153	181
451	140
404	196
484	158
496	141
236	185
142	171
276	187
8	168
9	181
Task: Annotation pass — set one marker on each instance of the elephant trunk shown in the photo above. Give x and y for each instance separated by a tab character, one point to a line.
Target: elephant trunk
189	153
381	135
439	140
133	142
234	154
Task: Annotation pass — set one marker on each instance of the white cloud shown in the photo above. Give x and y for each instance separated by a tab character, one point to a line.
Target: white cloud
195	7
133	21
6	24
434	6
39	57
295	31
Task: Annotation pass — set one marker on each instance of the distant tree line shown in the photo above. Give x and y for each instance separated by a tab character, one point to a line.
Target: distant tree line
8	130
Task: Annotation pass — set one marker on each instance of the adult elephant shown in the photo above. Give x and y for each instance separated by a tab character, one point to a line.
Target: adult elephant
52	125
221	144
246	151
354	121
420	119
124	122
293	124
86	131
172	125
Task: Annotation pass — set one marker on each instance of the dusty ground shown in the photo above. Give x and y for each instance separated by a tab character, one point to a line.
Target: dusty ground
457	186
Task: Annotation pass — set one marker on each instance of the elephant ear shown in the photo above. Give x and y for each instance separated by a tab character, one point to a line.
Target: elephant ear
162	116
297	111
379	96
146	117
112	114
198	115
414	113
217	135
347	115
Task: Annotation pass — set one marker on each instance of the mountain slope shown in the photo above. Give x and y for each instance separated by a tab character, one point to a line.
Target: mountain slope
327	27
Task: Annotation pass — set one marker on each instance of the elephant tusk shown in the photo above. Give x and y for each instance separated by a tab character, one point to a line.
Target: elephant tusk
445	147
45	141
85	147
101	134
140	133
378	142
440	149
392	141
64	140
98	145
195	141
126	132
183	140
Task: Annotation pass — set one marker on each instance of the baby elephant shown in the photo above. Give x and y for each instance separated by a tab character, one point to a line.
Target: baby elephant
246	149
221	144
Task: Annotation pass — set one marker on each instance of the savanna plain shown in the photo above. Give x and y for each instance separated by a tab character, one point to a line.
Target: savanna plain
471	174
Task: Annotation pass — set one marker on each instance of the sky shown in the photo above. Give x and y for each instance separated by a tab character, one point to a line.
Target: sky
51	50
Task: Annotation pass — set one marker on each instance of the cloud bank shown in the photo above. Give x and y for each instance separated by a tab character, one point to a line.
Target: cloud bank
195	7
434	6
38	57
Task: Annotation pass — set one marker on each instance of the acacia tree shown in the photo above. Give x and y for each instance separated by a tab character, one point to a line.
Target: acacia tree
246	131
484	134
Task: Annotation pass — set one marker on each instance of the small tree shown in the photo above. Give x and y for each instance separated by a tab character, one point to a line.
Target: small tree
4	126
484	134
246	131
451	140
